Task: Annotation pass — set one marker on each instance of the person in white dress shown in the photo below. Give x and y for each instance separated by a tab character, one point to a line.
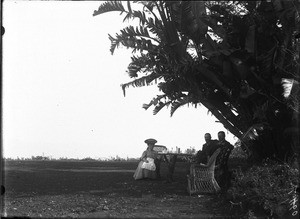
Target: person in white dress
146	167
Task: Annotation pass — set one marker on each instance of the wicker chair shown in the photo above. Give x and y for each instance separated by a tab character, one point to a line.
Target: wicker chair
202	177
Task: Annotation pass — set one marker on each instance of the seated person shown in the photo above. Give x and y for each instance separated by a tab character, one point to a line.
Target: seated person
207	149
146	167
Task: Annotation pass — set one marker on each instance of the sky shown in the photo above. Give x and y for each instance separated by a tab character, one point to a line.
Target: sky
61	90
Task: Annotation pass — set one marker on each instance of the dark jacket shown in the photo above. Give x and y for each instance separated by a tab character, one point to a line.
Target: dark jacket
207	150
211	147
225	143
222	158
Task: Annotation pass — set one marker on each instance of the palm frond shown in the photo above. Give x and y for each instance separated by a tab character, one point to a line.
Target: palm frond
252	133
179	102
141	16
109	6
291	93
287	85
160	106
217	29
131	42
148	4
211	76
129	13
127	17
186	16
140	82
114	43
176	13
129	7
156	27
141	45
154	101
136	38
137	14
141	31
266	63
142	63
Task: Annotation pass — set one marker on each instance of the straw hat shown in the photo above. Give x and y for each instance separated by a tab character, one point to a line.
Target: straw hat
150	141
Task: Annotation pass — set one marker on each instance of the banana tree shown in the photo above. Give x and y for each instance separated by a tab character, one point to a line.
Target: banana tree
228	56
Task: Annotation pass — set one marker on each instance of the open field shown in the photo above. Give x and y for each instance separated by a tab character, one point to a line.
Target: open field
99	189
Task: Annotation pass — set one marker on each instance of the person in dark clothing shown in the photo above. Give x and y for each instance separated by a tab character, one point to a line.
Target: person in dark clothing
207	149
222	174
222	141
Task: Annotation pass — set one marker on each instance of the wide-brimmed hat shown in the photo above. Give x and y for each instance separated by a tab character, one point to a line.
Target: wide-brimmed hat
150	141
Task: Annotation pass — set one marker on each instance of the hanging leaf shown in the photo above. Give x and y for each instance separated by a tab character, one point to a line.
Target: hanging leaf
266	63
186	17
199	28
141	16
127	17
179	102
142	63
109	6
129	7
160	106
253	132
133	38
154	101
140	82
217	29
114	43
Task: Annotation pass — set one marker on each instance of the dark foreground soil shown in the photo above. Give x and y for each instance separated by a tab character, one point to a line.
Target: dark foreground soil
100	190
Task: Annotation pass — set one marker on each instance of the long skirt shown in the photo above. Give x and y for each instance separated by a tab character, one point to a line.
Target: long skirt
145	170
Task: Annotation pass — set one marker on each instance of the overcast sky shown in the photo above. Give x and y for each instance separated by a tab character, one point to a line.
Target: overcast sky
62	94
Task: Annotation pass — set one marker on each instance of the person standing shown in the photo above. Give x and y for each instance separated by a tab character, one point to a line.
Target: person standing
208	149
222	173
222	141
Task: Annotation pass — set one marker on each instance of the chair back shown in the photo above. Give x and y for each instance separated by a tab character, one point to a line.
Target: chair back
159	148
213	158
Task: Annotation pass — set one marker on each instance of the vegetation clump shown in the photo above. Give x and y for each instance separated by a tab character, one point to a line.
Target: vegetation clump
268	188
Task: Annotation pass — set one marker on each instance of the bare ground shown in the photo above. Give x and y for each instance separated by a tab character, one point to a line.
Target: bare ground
101	190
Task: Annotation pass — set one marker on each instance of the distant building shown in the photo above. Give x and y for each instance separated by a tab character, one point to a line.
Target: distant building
39	158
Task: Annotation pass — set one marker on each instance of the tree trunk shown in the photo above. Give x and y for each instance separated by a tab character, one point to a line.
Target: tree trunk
235	131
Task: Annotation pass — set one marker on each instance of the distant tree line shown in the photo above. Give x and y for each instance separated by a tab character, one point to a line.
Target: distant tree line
47	158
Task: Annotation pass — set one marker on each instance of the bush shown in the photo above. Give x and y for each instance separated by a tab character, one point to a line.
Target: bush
238	152
238	159
269	187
